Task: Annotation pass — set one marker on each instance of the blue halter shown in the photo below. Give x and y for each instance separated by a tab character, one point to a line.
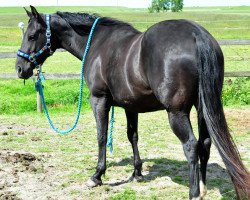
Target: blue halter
47	47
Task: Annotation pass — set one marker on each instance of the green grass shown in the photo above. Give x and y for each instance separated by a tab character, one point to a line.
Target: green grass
237	58
127	194
236	91
74	156
61	96
60	62
222	22
234	9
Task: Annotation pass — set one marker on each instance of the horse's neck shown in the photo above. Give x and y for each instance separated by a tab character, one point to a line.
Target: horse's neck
75	44
67	38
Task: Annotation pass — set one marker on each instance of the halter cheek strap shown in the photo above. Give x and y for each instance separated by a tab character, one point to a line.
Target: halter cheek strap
47	47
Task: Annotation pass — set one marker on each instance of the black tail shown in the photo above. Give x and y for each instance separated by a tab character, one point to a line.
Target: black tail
211	72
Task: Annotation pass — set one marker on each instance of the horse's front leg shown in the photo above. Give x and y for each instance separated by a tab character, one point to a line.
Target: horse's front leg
100	107
132	132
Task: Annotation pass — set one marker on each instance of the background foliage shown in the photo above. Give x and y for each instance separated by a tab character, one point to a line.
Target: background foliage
165	5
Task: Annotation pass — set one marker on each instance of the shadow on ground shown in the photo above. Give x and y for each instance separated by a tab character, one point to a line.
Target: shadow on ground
217	177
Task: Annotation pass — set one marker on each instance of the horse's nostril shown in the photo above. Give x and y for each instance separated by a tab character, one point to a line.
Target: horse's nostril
19	70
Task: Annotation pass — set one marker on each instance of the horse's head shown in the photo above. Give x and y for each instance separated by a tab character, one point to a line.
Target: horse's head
35	45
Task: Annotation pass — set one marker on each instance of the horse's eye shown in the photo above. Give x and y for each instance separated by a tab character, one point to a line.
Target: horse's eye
31	37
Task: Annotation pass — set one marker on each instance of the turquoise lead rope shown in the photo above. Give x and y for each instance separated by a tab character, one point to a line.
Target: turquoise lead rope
111	125
39	88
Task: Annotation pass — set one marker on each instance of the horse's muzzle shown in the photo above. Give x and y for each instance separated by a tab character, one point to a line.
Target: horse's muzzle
22	73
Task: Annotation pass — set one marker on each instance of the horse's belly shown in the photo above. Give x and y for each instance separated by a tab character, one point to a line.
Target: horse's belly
139	104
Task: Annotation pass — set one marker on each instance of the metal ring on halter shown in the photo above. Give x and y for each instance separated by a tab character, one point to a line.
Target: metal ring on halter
48	34
48	45
31	59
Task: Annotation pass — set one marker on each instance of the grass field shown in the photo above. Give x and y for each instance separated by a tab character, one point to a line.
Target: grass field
36	164
223	23
63	164
237	58
62	95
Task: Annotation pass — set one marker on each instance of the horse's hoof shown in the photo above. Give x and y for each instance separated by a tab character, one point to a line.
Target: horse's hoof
197	198
93	183
203	190
139	178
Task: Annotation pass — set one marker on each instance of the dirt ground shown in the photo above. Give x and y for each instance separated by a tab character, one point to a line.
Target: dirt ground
28	176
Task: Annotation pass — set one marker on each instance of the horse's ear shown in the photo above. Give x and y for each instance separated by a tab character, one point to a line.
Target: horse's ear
35	13
28	12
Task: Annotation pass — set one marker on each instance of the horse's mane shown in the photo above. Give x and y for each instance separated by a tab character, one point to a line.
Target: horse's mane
82	22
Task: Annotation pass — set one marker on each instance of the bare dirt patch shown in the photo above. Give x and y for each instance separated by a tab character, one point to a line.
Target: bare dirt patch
238	120
26	176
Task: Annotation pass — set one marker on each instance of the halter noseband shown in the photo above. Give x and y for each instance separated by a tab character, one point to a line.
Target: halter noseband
33	57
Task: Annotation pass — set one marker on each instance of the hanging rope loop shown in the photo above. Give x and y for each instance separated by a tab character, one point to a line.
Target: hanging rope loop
39	87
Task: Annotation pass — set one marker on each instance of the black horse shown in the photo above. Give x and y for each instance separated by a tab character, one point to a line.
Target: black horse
174	65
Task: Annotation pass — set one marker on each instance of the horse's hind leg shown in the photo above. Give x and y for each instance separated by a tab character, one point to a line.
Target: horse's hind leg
204	145
132	132
181	126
